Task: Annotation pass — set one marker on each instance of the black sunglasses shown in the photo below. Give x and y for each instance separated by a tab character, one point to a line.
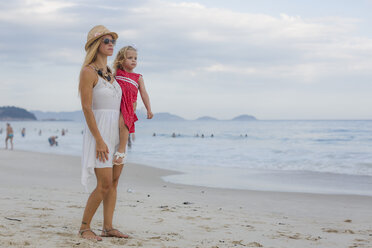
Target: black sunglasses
107	41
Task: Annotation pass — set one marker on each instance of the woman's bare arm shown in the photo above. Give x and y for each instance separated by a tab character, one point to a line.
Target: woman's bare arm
88	78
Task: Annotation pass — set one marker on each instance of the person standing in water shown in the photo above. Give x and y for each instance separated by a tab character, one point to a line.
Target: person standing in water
100	100
9	136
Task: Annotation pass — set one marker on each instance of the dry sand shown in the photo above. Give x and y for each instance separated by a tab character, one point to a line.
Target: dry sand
42	202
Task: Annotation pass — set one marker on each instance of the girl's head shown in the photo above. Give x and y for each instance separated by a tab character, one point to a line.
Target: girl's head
99	40
126	59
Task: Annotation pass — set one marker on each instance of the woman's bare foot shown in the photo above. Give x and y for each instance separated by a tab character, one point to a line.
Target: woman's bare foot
89	234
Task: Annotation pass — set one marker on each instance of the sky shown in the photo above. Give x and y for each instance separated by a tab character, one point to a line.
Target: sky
273	59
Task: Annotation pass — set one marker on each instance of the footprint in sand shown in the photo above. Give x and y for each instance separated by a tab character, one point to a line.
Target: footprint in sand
43	209
159	220
203	218
206	228
360	243
17	243
330	230
254	244
186	217
297	236
248	227
173	236
6	235
119	241
70	235
136	244
251	244
43	215
75	206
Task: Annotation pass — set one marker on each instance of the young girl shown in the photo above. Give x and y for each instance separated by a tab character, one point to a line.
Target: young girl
130	82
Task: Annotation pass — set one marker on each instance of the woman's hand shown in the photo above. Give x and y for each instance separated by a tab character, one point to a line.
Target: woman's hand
102	151
149	115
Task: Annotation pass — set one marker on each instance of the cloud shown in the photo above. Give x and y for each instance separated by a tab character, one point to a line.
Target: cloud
188	49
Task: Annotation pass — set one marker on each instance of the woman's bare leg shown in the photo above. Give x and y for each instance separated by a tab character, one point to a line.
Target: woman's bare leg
109	202
104	183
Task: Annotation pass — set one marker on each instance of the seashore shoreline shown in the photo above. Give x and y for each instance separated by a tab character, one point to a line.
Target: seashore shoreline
44	193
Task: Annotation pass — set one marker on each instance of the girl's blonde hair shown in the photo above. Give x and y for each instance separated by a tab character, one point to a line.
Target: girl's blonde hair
91	55
121	56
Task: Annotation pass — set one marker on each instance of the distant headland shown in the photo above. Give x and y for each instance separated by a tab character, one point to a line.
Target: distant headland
11	113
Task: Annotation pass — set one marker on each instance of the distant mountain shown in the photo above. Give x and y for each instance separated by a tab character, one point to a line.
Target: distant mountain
79	116
163	116
167	117
244	118
206	118
141	114
59	116
11	113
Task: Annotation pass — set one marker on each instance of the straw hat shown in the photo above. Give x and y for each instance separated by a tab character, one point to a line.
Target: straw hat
96	33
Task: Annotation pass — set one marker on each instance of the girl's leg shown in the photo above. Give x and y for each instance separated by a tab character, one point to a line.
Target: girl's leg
11	143
124	133
104	183
109	203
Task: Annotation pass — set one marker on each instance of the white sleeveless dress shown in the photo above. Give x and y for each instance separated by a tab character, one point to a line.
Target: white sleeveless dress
106	101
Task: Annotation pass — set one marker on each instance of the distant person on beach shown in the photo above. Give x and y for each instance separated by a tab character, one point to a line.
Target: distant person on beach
23	132
63	132
100	100
130	83
40	132
52	140
9	136
129	141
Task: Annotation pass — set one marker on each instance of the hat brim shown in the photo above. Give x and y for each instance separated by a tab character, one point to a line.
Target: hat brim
90	42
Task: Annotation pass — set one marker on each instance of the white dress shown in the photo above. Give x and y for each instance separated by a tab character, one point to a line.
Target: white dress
106	101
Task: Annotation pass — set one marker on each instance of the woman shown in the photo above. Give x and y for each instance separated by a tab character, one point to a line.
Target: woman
100	100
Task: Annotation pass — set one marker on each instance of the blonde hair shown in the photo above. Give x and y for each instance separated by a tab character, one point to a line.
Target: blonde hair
120	57
91	56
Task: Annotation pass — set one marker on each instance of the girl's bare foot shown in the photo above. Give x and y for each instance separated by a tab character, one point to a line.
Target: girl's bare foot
119	158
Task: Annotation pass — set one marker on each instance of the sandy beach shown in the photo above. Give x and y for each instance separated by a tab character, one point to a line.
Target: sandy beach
42	202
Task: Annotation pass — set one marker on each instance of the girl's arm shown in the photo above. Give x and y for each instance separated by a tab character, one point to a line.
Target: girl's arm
145	97
87	80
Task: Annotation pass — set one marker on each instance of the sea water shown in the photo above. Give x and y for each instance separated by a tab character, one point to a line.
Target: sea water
295	156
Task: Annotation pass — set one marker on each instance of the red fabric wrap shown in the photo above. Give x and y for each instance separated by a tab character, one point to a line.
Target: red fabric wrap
128	82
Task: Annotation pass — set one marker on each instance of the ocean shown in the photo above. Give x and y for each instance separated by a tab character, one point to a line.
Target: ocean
329	157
